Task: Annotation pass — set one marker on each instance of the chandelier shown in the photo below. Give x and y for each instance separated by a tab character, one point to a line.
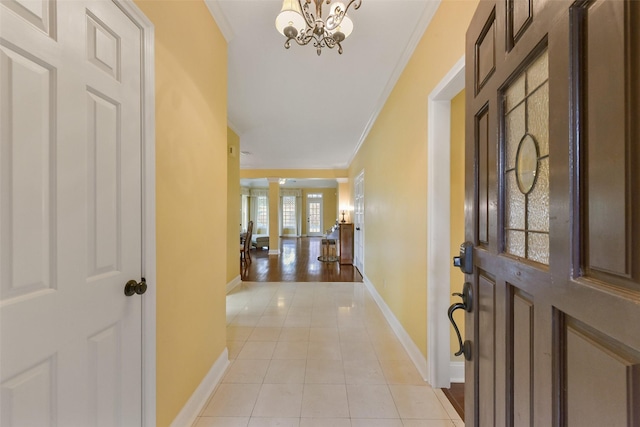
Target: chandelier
298	22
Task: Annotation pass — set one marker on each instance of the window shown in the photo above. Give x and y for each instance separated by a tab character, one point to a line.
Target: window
289	212
262	213
244	213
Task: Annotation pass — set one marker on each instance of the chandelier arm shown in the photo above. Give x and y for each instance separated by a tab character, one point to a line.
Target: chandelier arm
308	16
330	42
303	39
356	5
334	21
320	42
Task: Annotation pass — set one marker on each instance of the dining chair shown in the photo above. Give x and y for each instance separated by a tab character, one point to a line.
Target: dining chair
245	247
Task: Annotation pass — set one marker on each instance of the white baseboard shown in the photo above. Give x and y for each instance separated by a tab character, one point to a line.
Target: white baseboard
414	352
200	396
456	371
232	284
274	251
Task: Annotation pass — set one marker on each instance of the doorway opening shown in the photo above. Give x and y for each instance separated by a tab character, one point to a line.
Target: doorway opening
314	214
443	217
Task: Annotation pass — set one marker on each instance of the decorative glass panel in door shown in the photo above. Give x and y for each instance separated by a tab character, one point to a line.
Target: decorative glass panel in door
526	174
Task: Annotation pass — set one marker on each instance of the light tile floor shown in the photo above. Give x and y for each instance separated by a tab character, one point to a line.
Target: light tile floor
318	355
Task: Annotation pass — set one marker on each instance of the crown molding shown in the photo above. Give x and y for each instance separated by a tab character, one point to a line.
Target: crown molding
221	21
429	11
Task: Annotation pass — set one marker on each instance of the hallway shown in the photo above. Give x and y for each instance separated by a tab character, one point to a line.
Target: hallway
318	355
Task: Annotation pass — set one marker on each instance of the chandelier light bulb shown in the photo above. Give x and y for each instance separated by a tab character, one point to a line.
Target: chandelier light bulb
346	26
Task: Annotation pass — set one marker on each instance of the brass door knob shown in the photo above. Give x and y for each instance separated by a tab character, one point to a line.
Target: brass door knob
132	287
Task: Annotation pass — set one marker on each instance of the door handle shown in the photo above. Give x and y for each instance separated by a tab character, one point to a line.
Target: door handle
466	305
357	228
132	287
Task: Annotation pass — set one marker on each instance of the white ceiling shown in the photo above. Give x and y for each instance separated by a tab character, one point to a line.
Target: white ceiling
295	110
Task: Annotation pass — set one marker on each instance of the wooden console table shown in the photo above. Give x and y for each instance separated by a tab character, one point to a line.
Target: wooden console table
346	243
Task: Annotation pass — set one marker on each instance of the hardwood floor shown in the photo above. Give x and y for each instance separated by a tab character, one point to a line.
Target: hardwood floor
297	262
455	394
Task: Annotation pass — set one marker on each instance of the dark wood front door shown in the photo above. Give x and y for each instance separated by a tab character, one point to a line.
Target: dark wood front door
553	202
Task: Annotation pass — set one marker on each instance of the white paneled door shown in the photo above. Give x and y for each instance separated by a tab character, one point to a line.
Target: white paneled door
358	222
70	214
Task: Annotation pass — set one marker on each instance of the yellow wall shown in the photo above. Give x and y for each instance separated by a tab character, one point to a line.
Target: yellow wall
344	201
191	179
457	209
394	158
329	207
233	204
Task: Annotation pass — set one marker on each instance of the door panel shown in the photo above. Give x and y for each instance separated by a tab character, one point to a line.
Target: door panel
70	216
609	245
105	384
599	373
609	230
40	14
104	210
520	15
613	385
31	395
485	52
521	337
28	223
482	124
486	350
554	202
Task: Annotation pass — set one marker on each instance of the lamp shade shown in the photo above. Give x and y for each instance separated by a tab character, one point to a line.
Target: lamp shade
290	15
346	26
